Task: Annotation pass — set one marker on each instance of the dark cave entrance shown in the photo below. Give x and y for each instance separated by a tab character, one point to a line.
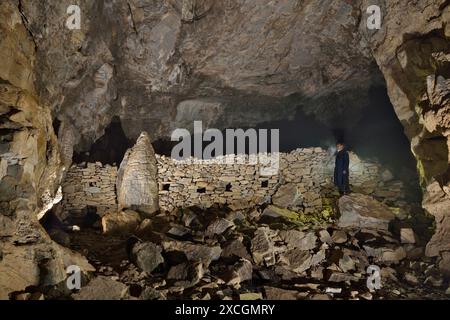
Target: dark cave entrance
109	149
376	135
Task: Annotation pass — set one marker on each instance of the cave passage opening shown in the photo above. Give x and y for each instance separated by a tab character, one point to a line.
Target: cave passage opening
373	133
376	134
108	149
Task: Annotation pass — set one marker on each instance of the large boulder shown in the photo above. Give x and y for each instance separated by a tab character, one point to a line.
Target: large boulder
124	222
235	248
437	203
387	255
288	196
103	288
299	239
240	272
218	226
273	293
186	274
147	256
137	184
361	211
262	247
194	252
276	212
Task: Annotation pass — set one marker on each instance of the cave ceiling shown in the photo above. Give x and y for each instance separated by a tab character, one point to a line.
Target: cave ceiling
157	64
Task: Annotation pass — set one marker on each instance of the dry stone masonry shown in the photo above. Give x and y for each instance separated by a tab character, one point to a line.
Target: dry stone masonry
308	170
304	183
203	184
90	184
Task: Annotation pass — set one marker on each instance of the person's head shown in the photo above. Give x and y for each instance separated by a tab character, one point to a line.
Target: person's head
340	146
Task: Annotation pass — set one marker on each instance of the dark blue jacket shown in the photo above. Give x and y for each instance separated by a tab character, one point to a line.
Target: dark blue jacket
341	166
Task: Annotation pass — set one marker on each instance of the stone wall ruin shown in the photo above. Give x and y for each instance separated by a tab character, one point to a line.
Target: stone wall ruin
90	184
182	185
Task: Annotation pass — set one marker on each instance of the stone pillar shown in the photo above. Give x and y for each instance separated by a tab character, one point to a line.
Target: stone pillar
137	184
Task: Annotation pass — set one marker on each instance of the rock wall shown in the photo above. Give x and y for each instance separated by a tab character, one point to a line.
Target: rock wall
412	50
30	168
183	185
90	184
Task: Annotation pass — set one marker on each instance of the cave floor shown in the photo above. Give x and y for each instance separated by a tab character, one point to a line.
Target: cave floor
335	267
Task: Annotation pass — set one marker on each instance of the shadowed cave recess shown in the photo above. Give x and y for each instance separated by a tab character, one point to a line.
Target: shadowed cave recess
87	178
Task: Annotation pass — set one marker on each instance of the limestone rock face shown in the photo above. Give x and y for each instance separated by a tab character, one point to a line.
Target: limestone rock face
37	264
137	184
416	73
30	169
437	202
153	63
13	278
361	211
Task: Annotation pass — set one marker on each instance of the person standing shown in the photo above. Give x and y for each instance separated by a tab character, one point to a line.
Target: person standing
341	169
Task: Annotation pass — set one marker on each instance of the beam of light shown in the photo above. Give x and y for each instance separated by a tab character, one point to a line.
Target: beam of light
50	203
